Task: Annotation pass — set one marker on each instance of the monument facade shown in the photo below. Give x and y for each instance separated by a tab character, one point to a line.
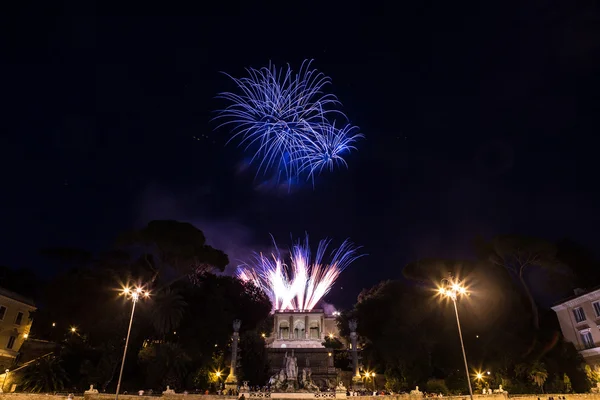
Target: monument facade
296	349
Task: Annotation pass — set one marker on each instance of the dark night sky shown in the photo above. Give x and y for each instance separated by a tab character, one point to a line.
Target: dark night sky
477	121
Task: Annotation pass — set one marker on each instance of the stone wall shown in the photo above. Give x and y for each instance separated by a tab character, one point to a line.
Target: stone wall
102	396
550	396
42	396
35	396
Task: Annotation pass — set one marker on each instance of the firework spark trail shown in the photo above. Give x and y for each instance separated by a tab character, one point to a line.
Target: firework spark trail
282	118
302	283
324	148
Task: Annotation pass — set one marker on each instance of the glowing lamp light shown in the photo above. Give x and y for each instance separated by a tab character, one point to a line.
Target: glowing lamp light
53	324
25	335
218	374
479	375
134	294
452	289
263	335
331	336
73	329
329	354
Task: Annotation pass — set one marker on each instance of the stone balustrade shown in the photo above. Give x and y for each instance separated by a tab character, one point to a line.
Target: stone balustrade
290	396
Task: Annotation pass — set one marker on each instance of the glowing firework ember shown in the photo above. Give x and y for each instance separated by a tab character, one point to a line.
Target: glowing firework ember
302	283
282	118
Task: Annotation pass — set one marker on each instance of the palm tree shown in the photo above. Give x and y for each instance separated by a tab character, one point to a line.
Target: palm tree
44	375
168	310
538	374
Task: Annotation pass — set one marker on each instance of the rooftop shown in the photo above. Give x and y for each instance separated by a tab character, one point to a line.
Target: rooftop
314	310
16	296
578	293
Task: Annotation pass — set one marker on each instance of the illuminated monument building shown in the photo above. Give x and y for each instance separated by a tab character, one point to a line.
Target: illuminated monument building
304	332
295	288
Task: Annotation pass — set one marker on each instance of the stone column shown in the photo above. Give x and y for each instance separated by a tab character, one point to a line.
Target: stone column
322	328
306	328
231	381
276	326
291	332
357	382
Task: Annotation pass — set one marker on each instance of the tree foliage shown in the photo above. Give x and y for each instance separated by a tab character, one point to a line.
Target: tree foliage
175	333
496	331
164	364
44	375
518	255
254	361
168	310
175	248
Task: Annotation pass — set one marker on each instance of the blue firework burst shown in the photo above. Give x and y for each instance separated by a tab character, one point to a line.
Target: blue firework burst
325	147
282	118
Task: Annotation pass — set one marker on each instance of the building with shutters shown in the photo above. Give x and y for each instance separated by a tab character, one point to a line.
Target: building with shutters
579	318
15	323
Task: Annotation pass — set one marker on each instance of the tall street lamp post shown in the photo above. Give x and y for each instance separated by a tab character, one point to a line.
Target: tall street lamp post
134	295
452	289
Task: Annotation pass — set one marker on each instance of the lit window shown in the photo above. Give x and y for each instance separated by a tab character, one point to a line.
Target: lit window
587	339
11	342
579	314
597	308
2	312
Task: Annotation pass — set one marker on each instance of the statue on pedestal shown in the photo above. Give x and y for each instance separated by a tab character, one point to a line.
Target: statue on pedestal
307	383
277	381
168	391
416	392
291	367
500	390
91	390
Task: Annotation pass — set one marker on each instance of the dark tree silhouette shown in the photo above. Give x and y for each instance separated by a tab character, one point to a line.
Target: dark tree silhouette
518	254
172	247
